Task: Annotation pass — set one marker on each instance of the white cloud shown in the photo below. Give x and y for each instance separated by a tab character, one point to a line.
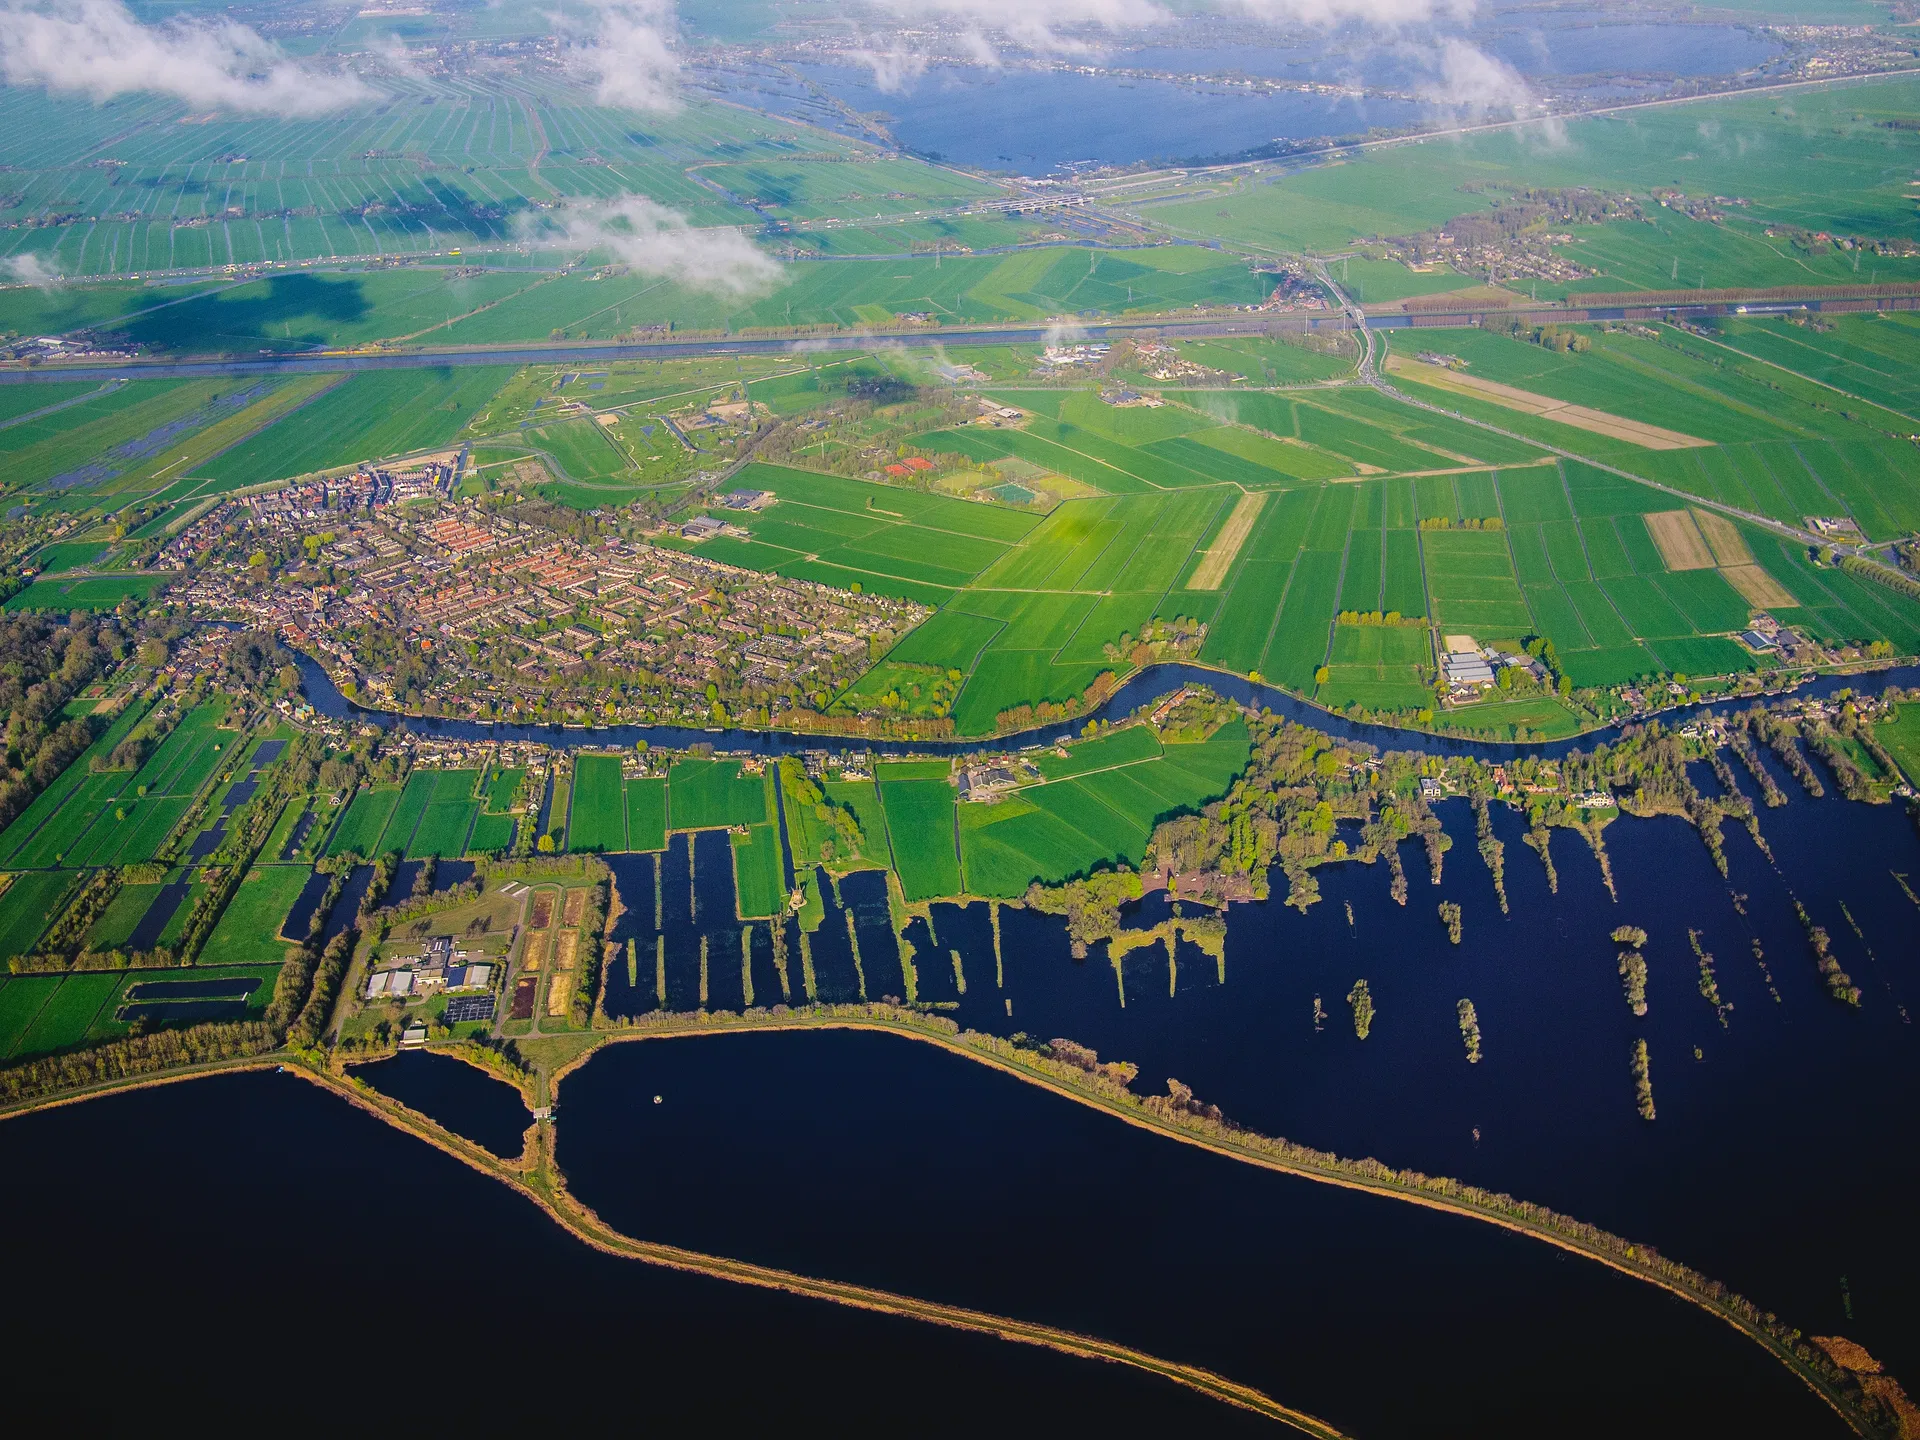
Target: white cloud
1063	332
97	48
1377	14
1032	24
31	270
894	71
657	241
629	57
1478	86
392	52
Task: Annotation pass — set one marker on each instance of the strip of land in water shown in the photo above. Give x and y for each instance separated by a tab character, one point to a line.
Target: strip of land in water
535	1175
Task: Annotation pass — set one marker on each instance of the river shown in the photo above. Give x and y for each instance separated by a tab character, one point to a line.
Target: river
1142	689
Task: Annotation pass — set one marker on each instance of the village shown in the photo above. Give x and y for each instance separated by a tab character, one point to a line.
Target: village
411	599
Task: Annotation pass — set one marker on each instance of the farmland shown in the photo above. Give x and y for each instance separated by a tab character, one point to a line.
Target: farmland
920	823
1099	805
365	417
713	794
120	816
1748	146
249	928
758	880
445	807
599	819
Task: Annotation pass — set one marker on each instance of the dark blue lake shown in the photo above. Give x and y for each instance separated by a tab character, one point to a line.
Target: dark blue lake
1772	1164
875	1158
252	1184
462	1097
1035	121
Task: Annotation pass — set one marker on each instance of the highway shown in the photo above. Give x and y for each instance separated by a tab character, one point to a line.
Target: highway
587	353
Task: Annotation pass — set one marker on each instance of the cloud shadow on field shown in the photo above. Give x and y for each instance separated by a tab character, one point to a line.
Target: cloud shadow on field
286	309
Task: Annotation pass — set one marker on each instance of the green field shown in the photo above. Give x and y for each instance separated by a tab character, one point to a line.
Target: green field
758	881
27	905
847	532
369	416
599	818
66	1012
152	990
713	794
1901	737
117	922
405	816
366	820
22	998
920	825
492	834
1097	806
1751	146
647	814
248	931
1379	667
91	592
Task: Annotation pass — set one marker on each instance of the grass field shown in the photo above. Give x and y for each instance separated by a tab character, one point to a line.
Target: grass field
369	416
249	929
599	819
22	997
887	540
116	923
87	592
167	997
404	818
920	824
66	1011
492	834
1380	667
1750	146
365	822
1097	806
445	824
713	794
105	818
28	904
1901	737
759	884
647	814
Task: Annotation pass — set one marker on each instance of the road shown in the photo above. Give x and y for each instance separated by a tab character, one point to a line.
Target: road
574	352
1369	375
